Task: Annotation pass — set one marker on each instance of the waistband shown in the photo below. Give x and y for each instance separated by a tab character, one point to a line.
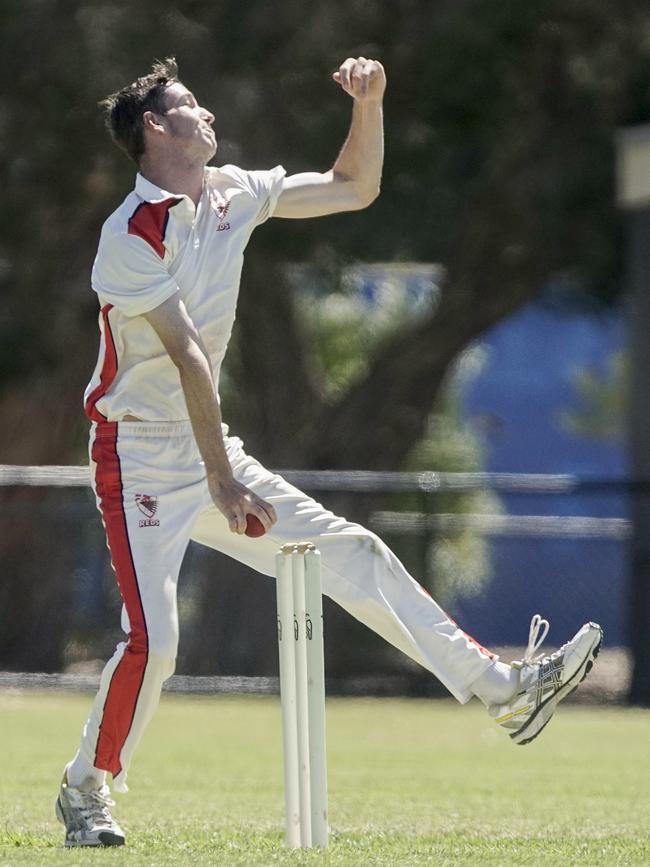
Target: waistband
165	429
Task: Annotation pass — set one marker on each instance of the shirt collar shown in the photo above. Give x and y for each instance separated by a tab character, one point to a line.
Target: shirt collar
153	193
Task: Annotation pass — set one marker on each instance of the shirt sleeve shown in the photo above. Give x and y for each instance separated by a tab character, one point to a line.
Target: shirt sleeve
266	187
128	274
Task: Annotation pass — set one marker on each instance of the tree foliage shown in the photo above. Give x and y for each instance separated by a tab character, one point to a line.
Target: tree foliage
499	128
604	400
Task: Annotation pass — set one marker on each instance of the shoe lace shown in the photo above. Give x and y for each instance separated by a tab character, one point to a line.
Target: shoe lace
535	640
96	806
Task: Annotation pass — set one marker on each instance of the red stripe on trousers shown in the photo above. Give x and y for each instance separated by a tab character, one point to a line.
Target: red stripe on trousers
126	682
473	641
108	371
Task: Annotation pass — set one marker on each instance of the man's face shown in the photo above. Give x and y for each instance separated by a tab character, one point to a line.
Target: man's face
189	125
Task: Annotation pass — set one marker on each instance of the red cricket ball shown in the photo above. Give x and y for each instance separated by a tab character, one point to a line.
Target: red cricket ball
254	527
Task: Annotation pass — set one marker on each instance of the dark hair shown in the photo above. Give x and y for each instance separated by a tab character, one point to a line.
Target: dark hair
123	110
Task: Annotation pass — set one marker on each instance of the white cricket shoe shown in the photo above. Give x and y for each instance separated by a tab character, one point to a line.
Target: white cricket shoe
546	680
85	814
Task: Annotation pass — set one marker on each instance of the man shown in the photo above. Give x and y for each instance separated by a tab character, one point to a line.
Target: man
165	468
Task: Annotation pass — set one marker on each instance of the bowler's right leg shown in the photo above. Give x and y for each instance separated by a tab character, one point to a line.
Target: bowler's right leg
148	483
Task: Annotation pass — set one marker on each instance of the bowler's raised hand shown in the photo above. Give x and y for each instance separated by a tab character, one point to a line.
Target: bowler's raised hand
362	79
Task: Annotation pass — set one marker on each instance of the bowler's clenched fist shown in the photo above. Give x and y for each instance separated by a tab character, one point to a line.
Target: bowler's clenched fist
363	79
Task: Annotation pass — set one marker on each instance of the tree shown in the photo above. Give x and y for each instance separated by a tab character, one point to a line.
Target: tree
499	165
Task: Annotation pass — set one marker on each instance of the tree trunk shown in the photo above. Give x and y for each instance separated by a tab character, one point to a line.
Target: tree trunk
270	365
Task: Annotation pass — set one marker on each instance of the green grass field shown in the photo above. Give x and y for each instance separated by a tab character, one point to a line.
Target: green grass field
411	782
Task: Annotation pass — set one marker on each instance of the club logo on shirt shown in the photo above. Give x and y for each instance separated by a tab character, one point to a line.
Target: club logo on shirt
148	505
220	206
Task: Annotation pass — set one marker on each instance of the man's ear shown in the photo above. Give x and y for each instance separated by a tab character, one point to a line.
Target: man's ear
151	122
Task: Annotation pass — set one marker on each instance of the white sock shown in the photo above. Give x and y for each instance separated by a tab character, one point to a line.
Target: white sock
497	684
80	771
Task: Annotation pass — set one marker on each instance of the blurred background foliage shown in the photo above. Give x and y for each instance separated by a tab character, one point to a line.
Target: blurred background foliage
500	122
499	166
604	399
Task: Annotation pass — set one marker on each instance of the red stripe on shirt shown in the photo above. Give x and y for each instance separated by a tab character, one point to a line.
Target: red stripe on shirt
149	222
126	682
108	372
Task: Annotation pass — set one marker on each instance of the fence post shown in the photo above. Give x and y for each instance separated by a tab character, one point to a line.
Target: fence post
633	153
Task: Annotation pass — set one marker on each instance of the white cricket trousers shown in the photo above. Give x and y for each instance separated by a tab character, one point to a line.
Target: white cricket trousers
151	490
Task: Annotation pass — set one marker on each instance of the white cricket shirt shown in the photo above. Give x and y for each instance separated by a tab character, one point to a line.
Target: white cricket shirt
157	243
